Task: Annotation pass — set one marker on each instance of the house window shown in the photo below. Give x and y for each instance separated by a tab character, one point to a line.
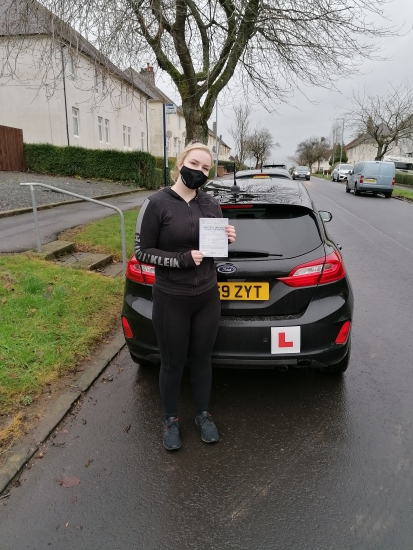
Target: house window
142	141
107	132
179	146
76	124
100	128
167	144
124	136
129	137
70	68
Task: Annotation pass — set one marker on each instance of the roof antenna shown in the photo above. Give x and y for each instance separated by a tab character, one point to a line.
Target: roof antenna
235	189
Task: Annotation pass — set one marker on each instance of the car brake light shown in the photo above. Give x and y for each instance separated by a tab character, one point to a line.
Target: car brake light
317	272
127	331
139	272
343	334
361	179
393	181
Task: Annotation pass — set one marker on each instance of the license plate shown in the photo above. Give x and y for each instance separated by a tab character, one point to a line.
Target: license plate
369	180
244	291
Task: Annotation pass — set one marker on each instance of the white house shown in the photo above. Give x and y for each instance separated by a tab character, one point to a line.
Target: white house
76	97
175	123
224	149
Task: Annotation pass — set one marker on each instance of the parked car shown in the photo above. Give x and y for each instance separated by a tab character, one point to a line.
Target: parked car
372	176
263	174
285	295
341	171
301	172
274	166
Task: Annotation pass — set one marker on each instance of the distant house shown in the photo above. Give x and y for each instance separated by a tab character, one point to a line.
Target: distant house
175	124
224	149
364	147
80	98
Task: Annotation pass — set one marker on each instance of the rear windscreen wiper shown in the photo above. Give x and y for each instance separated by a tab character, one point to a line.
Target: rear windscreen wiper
251	253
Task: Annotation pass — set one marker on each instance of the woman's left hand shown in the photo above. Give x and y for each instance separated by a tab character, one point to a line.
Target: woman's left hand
230	231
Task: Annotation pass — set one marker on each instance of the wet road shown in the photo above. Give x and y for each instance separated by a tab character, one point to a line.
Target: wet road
305	461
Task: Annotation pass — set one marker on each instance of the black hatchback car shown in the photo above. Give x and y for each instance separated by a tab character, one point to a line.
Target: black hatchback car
286	298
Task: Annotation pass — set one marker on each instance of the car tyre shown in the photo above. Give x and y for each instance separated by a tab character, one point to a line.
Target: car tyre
388	195
347	188
340	367
356	191
308	179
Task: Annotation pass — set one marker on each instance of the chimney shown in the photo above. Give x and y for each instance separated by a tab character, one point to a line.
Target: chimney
148	74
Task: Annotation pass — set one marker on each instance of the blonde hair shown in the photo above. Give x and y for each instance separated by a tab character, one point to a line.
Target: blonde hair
197	145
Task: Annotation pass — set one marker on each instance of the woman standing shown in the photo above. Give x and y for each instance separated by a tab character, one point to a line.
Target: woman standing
186	305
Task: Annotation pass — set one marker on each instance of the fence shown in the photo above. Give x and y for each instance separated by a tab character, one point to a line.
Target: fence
11	149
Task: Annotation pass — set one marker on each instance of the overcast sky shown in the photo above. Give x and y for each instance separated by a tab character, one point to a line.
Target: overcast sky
301	118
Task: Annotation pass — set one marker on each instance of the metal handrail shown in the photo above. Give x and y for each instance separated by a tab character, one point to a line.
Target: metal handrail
36	221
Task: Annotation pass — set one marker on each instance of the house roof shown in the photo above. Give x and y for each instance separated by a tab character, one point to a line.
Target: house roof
30	18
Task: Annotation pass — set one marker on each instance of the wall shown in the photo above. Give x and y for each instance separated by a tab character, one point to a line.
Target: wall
40	111
174	124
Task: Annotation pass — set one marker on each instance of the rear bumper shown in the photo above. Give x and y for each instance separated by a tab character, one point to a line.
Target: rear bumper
248	343
374	187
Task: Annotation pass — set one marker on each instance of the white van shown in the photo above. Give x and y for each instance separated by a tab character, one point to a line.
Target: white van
372	176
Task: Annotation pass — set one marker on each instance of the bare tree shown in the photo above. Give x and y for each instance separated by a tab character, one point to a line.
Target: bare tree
240	131
259	145
269	48
312	150
336	133
385	119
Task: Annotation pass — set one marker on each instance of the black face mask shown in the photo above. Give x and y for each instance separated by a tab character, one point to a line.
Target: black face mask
193	179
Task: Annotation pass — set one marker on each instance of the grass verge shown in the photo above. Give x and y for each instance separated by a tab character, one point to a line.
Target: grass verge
51	316
104	235
405	193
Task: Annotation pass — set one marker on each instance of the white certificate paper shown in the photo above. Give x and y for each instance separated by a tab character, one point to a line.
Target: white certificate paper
213	240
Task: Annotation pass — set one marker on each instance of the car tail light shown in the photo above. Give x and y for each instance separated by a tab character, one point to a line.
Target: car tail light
393	181
361	179
317	272
139	272
343	334
127	331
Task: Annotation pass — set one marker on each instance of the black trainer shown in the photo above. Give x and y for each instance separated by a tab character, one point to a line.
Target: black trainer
171	439
209	432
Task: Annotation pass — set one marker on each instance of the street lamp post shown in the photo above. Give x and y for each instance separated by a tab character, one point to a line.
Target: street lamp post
342	139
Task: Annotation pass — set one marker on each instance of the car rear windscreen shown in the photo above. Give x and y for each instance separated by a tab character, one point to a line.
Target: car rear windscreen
276	230
372	170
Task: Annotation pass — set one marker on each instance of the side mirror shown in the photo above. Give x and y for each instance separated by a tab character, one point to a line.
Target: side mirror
350	173
325	216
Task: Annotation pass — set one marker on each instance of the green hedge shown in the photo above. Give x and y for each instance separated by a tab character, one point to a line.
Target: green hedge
404	179
136	167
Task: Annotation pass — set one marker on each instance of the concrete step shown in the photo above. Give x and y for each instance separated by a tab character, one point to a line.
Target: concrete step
112	270
85	260
53	250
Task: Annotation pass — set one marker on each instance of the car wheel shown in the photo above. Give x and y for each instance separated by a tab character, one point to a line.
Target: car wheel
347	188
340	367
356	191
388	195
308	179
293	177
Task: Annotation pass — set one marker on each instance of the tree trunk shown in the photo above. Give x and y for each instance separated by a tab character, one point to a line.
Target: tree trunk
380	152
196	127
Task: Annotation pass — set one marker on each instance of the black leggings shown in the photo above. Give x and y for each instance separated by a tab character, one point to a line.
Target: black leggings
186	328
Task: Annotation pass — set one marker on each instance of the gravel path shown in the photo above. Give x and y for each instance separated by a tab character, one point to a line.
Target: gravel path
13	196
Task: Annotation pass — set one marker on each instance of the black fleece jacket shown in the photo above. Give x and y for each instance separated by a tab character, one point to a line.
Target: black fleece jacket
167	229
